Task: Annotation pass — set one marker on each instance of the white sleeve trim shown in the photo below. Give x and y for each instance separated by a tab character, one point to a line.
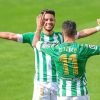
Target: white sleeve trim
19	38
97	28
77	36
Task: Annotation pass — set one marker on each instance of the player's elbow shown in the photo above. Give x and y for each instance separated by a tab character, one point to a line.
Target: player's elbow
12	37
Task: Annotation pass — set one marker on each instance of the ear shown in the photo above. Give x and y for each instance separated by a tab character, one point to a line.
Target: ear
62	32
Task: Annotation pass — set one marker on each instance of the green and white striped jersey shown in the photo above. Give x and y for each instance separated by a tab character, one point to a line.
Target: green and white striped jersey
70	61
44	64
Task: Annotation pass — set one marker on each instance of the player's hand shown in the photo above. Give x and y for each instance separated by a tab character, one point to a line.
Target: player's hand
98	21
40	22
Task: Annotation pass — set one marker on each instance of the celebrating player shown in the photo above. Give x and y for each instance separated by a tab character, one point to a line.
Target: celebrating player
70	60
45	81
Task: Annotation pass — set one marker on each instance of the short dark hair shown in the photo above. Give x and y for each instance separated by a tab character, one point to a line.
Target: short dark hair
69	27
48	11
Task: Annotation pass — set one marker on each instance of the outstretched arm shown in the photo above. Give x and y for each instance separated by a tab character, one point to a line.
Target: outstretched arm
89	31
8	35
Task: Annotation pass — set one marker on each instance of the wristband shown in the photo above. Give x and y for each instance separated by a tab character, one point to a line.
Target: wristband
19	38
98	28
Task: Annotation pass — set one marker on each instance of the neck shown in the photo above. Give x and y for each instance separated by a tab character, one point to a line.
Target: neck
47	32
69	39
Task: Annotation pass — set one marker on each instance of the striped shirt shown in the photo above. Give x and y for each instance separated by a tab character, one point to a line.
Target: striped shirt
44	64
70	61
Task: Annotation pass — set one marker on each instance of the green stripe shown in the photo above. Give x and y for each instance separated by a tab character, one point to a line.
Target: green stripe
54	78
86	90
38	63
51	39
64	88
74	88
44	67
86	86
44	63
59	38
82	86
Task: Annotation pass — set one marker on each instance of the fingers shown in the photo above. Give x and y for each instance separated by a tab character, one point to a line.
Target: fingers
98	21
40	17
43	17
40	20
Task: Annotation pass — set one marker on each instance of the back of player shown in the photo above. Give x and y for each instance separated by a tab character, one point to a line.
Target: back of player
70	60
73	58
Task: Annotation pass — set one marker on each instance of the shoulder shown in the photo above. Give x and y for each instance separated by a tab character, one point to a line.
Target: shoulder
27	37
28	34
58	33
58	36
88	48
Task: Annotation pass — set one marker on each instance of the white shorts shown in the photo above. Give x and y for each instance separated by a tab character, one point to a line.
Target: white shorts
45	91
86	97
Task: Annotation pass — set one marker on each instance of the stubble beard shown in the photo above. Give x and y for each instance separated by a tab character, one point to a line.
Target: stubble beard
49	30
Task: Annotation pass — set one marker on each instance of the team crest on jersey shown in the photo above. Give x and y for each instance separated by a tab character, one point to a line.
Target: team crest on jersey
49	44
92	46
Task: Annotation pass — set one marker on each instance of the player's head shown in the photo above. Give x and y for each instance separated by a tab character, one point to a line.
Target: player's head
69	28
49	20
48	11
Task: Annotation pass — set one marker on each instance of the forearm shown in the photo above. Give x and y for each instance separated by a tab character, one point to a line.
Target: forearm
88	32
8	35
36	37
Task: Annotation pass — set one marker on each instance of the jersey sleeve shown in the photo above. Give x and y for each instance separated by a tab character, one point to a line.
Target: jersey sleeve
90	50
25	37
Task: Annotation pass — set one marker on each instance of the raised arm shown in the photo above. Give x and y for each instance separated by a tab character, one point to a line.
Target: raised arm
8	36
39	22
89	31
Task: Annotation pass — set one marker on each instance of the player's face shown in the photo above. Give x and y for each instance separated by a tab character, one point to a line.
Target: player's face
49	22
